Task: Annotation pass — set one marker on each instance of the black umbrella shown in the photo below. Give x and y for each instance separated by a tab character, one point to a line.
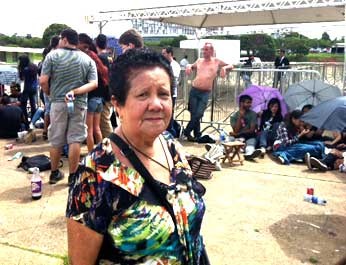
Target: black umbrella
328	115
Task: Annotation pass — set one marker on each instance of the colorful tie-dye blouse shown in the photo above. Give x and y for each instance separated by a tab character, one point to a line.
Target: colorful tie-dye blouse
113	199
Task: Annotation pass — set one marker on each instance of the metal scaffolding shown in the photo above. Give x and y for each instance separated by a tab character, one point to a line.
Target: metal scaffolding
205	10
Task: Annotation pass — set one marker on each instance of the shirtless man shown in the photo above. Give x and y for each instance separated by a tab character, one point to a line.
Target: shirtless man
207	68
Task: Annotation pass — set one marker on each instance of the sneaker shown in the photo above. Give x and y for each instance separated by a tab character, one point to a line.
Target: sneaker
254	154
318	164
55	176
307	160
263	152
279	160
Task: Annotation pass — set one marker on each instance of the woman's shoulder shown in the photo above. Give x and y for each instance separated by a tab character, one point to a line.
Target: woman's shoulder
107	167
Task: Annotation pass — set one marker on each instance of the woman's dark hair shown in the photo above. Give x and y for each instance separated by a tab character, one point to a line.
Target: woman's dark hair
54	42
24	61
129	62
272	102
296	114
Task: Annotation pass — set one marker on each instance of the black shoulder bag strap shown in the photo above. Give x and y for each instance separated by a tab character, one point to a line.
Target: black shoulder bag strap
137	164
152	184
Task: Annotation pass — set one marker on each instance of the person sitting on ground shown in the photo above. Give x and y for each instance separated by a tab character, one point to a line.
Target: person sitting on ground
11	117
15	95
244	125
333	159
270	120
288	146
111	207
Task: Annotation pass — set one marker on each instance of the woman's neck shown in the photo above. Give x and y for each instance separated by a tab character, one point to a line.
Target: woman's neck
142	143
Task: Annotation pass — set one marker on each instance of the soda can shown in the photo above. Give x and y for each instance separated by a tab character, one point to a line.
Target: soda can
310	191
8	146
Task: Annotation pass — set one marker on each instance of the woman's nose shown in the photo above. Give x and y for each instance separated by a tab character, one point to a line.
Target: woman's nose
155	102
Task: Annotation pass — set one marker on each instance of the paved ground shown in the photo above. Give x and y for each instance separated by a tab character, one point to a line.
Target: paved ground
255	214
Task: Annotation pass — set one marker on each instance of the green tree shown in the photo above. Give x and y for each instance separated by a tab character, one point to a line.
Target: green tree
52	30
325	36
261	45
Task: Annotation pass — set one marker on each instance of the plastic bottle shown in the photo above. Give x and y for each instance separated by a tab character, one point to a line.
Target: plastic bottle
70	104
314	199
342	167
36	184
223	136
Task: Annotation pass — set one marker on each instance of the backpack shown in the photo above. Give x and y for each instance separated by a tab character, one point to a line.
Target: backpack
40	161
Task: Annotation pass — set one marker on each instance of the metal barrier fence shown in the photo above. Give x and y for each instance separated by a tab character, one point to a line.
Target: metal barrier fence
223	100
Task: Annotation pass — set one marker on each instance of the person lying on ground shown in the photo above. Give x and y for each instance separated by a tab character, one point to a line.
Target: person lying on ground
333	159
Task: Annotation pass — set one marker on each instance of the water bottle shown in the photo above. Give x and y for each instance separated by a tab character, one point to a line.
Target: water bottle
223	136
36	184
314	199
70	104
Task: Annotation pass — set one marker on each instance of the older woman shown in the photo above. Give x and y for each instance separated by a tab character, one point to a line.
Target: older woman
113	213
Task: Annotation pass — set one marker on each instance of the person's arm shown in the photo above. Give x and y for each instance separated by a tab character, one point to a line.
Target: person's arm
236	123
336	140
91	85
224	68
190	68
86	88
83	243
44	83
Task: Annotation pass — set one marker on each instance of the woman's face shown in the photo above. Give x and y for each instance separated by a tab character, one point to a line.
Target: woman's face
274	108
148	106
297	122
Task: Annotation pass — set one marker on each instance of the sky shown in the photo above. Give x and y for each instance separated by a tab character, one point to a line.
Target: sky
24	17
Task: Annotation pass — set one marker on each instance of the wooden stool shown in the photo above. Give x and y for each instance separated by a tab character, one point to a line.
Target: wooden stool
232	149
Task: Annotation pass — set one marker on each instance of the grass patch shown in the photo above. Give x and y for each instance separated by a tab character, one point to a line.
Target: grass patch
313	260
325	57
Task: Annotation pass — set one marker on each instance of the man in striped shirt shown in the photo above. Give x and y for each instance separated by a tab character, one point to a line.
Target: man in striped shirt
72	75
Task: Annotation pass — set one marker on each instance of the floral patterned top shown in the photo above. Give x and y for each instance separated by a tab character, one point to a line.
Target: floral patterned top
114	200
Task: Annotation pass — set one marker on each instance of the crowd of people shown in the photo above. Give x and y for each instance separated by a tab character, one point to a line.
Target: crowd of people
132	199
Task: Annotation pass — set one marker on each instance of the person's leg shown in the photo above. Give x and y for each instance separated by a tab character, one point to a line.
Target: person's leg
73	157
90	130
192	108
263	139
57	138
76	134
297	151
97	131
55	155
46	116
23	105
105	123
202	104
37	116
32	99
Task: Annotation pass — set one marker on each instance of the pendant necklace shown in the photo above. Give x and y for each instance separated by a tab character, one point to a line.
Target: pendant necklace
147	156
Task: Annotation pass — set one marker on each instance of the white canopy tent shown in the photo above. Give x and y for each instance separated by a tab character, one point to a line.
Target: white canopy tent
235	13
